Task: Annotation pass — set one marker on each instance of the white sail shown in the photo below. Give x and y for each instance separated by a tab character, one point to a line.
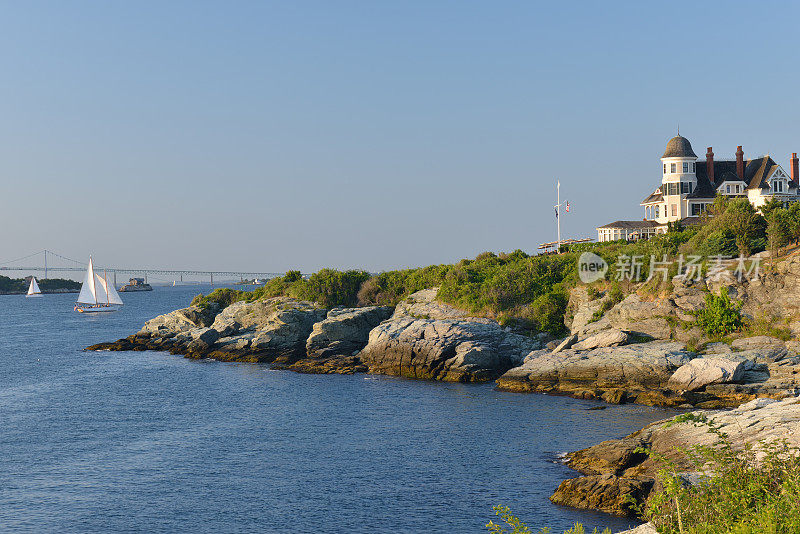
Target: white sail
87	295
34	287
106	292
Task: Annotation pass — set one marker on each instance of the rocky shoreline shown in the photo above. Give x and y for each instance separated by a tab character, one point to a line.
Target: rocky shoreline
641	349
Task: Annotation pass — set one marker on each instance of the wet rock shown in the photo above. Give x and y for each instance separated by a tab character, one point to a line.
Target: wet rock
607	493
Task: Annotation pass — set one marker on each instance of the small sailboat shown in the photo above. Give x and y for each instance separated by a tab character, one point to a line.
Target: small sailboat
33	289
97	294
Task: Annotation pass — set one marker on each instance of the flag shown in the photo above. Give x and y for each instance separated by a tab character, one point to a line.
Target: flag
567	207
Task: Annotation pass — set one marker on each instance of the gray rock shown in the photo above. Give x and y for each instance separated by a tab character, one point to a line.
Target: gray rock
701	372
272	330
637	366
566	343
179	321
202	340
691	303
647	528
717	348
344	331
605	338
764	355
757	342
450	350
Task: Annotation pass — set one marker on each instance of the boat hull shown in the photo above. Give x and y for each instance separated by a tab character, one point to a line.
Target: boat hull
99	308
35	295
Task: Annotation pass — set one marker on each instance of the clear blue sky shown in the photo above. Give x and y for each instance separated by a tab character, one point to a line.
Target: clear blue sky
372	134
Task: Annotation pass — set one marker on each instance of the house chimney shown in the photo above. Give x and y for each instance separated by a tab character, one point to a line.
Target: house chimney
710	165
793	169
740	162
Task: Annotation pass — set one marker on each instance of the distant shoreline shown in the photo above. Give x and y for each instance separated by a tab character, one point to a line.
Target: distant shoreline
48	292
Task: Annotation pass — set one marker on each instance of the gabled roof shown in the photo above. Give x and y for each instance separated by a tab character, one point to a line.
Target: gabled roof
630	224
756	173
655	196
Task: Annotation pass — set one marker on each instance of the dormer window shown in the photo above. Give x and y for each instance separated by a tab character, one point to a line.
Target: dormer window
777	186
673	168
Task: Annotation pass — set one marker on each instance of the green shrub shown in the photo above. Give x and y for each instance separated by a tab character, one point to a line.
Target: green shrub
331	288
720	316
518	527
754	490
222	296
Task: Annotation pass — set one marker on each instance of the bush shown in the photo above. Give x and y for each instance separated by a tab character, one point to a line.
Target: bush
332	288
223	297
755	490
720	316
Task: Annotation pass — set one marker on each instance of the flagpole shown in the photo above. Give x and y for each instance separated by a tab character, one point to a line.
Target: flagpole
558	214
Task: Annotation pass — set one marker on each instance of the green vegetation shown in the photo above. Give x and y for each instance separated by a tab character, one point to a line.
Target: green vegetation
531	292
518	527
720	316
20	285
764	325
746	490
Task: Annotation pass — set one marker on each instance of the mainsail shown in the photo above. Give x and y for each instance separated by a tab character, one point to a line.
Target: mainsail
97	290
33	289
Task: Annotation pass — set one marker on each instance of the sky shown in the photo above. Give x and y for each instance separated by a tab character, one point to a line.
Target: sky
267	136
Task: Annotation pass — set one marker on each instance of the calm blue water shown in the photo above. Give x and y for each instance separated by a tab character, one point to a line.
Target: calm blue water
149	442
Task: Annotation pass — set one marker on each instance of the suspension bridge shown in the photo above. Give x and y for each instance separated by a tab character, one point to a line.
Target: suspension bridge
38	262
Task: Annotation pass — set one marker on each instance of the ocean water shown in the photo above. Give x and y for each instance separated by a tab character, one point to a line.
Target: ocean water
150	442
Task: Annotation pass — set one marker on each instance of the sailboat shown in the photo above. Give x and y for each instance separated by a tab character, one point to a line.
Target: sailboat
33	289
97	294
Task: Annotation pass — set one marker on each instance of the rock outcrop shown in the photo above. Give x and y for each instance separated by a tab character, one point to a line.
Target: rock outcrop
702	372
615	374
421	339
615	469
334	343
344	331
450	350
273	330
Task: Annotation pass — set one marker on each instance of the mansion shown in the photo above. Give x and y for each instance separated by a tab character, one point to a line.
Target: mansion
688	186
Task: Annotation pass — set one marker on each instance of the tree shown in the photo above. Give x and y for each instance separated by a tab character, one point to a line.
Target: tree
769	206
743	221
794	221
779	230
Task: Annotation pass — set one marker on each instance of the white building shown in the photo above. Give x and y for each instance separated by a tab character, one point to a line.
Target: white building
688	187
